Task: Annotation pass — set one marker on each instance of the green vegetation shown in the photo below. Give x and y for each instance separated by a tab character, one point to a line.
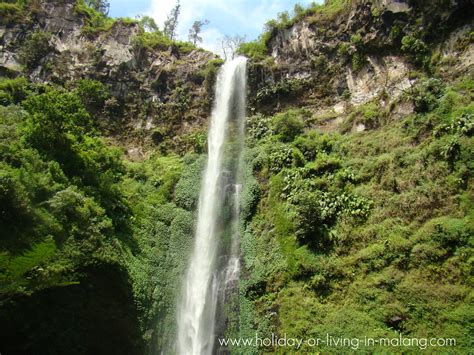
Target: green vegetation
10	13
342	232
34	49
364	233
416	49
321	13
158	40
283	89
101	6
13	91
151	37
209	73
162	192
288	125
153	40
314	13
66	202
73	212
95	20
256	50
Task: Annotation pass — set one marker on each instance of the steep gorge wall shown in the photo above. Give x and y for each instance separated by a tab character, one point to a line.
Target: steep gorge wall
353	106
115	289
332	62
158	91
161	97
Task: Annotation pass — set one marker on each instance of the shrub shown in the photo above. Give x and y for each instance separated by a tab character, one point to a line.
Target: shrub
158	40
281	89
323	164
94	20
194	141
343	49
320	63
426	94
256	50
313	218
209	73
15	268
53	115
288	125
416	49
370	114
13	91
358	61
187	189
92	93
258	126
14	200
10	14
80	216
34	49
356	40
314	142
280	156
451	234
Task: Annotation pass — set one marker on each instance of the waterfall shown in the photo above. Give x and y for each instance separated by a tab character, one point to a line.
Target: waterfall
214	264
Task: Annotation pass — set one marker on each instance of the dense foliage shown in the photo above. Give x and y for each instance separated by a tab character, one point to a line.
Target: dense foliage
363	234
342	232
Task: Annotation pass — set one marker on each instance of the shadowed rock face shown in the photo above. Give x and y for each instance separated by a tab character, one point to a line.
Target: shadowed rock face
96	316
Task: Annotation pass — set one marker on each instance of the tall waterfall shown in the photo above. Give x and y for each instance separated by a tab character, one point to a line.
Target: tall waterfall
214	265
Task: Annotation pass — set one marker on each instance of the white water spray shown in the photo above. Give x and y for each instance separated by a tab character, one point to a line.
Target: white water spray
212	267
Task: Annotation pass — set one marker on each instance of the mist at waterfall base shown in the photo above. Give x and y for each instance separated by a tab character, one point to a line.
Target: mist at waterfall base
214	266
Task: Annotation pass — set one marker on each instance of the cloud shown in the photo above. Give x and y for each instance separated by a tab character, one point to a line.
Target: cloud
212	40
243	17
190	11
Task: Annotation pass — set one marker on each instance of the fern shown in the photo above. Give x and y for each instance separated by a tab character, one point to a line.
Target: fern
13	268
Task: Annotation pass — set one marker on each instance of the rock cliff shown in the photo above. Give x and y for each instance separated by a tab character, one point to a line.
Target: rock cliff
158	90
362	51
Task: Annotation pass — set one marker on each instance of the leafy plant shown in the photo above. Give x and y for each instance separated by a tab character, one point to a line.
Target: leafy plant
13	91
416	49
426	94
256	50
34	49
288	125
10	14
92	93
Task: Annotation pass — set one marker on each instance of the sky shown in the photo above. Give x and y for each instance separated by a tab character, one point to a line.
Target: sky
226	17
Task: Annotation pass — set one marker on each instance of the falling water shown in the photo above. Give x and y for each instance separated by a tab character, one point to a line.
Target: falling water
214	264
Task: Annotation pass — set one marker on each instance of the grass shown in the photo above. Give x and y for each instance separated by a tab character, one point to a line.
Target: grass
10	14
404	266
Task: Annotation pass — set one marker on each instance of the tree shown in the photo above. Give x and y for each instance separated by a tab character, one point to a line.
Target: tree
230	44
298	10
195	30
171	22
148	23
101	6
283	17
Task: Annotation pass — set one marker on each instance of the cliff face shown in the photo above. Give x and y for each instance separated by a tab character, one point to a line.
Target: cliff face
358	177
362	51
112	289
155	87
355	110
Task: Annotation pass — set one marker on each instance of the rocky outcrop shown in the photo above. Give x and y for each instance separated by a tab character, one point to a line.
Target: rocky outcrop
144	81
356	55
388	74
